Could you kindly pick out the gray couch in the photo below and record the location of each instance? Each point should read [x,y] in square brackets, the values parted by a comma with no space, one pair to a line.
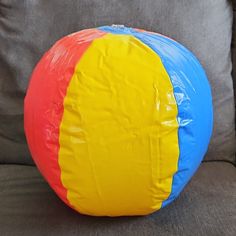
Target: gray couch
[28,206]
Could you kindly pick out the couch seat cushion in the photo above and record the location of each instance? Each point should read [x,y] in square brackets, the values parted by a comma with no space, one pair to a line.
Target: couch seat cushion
[207,206]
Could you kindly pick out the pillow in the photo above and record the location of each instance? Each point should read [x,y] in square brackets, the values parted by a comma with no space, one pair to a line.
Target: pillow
[29,28]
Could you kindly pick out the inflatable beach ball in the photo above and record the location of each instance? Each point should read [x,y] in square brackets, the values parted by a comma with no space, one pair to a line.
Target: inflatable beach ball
[118,120]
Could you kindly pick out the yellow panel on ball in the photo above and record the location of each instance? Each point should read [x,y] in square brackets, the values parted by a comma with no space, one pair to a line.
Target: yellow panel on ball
[119,131]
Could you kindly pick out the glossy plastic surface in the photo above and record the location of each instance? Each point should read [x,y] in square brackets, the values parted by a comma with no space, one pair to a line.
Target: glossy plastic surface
[118,120]
[193,97]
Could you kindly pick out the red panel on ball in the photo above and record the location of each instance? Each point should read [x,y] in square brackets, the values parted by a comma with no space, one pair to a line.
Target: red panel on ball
[44,103]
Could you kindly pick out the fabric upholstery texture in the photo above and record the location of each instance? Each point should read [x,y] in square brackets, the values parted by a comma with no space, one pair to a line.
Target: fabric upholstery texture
[29,28]
[233,47]
[206,207]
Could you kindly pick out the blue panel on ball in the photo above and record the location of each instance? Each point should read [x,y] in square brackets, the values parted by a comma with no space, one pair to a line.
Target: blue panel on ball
[193,97]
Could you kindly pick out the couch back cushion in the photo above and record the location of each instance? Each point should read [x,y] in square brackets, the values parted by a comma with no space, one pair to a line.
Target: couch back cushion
[29,28]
